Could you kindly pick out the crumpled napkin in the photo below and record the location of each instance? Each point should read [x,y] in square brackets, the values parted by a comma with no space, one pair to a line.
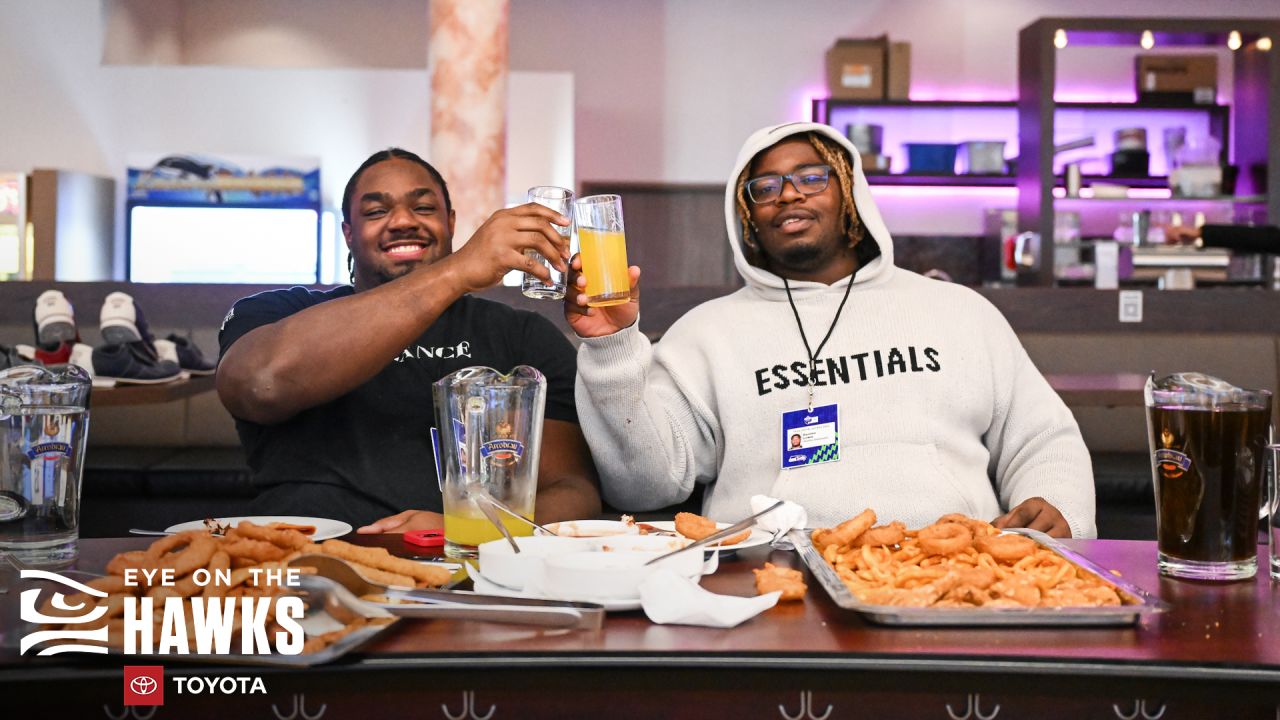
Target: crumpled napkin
[670,599]
[781,521]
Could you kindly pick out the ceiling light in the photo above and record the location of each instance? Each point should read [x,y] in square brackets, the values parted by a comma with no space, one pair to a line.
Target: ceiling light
[1148,40]
[1264,43]
[1059,38]
[1233,40]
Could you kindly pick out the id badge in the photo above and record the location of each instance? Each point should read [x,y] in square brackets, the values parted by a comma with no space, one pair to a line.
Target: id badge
[810,436]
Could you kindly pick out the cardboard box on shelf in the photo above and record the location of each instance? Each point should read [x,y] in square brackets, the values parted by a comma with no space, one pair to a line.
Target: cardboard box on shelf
[856,68]
[1180,76]
[898,86]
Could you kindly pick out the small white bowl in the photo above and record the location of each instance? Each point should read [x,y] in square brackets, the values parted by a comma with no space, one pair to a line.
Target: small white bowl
[501,564]
[592,528]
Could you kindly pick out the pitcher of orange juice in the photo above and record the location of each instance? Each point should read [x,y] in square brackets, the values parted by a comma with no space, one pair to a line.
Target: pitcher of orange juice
[490,427]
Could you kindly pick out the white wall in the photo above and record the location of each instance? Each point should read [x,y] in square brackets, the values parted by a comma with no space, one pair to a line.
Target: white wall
[665,90]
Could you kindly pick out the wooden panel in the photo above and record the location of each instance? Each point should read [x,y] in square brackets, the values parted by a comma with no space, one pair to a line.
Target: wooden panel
[675,233]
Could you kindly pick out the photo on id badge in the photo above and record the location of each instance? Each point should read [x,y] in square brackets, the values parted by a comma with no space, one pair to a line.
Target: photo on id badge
[810,436]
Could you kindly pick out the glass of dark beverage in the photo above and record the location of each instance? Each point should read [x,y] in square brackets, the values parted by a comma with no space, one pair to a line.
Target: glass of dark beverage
[1208,443]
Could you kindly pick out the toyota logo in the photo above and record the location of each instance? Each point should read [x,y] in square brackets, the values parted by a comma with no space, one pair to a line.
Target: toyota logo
[143,685]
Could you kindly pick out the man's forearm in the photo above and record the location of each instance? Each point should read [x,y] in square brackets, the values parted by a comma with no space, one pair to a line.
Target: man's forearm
[316,355]
[567,499]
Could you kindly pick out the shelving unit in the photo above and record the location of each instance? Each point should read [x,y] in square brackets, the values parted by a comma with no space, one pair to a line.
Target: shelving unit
[825,110]
[1249,128]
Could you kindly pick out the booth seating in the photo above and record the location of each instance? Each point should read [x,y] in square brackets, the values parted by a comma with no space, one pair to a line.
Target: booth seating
[154,465]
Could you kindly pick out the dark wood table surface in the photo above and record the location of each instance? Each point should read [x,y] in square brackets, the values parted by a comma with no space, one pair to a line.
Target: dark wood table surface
[1214,653]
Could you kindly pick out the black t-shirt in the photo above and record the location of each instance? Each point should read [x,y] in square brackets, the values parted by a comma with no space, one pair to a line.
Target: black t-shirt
[368,453]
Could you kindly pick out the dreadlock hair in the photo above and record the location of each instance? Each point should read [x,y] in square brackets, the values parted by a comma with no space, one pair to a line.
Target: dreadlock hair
[833,154]
[378,157]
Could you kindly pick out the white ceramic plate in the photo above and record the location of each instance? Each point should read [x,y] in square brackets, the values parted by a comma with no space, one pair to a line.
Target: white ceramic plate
[757,537]
[325,528]
[591,528]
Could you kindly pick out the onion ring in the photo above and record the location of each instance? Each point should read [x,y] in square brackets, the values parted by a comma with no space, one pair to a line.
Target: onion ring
[849,530]
[1007,549]
[885,535]
[945,538]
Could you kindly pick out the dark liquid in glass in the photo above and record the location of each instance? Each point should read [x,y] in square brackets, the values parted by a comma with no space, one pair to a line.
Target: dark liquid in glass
[1208,467]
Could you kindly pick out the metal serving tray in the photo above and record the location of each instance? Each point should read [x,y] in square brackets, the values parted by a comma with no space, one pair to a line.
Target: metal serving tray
[1137,602]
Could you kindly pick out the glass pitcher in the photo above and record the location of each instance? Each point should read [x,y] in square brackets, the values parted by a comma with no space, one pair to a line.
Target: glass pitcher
[1208,443]
[44,416]
[490,427]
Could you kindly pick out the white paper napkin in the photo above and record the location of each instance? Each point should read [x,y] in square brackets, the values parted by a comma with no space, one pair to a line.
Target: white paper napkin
[780,521]
[669,599]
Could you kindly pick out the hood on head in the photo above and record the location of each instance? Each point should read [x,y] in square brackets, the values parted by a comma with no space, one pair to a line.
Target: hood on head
[875,230]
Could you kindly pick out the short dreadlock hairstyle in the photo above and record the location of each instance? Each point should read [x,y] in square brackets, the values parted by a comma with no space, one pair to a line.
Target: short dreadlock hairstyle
[833,154]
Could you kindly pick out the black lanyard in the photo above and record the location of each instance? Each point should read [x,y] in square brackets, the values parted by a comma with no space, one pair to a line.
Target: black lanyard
[813,354]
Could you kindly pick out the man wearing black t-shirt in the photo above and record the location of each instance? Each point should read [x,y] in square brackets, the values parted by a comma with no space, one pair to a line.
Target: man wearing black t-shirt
[331,390]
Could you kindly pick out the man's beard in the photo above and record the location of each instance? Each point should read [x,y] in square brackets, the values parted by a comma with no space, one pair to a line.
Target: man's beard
[385,275]
[807,257]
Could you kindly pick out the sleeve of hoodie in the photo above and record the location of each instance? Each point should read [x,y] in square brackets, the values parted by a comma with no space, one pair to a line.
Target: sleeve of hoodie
[1035,443]
[650,435]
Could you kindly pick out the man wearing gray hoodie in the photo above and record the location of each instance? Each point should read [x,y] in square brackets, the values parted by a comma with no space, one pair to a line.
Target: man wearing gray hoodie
[911,396]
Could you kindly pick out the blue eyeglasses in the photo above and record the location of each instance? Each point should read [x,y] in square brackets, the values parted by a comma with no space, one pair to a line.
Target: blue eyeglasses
[808,180]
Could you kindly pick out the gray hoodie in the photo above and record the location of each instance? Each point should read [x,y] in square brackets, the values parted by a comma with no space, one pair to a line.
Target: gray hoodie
[939,408]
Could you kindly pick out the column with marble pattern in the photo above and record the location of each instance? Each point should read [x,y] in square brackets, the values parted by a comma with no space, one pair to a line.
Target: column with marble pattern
[467,54]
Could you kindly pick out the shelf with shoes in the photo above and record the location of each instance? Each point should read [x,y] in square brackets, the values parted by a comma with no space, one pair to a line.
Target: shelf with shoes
[131,366]
[150,394]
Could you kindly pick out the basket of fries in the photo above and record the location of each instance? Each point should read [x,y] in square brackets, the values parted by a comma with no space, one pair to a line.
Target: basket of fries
[252,606]
[962,571]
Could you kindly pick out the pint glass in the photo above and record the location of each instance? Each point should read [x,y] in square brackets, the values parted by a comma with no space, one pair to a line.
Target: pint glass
[1208,444]
[603,246]
[44,421]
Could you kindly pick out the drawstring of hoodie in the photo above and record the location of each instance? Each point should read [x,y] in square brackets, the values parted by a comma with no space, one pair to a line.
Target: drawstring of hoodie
[813,354]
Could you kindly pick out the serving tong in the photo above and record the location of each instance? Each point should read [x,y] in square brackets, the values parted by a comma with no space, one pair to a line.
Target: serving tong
[456,604]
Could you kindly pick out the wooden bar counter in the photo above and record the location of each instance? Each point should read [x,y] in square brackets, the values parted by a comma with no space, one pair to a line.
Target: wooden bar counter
[1214,653]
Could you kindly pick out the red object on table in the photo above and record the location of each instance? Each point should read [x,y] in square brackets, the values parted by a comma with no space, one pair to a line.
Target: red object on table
[425,538]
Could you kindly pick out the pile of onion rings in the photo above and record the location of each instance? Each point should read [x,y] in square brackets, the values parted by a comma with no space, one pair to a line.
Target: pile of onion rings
[957,562]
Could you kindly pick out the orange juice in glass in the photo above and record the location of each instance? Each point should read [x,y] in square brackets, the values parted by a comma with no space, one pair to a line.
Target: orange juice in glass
[603,246]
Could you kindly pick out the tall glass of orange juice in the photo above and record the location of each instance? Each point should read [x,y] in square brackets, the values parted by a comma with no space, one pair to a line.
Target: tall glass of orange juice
[603,246]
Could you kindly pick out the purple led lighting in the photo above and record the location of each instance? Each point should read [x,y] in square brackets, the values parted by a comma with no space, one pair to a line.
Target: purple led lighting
[904,124]
[807,96]
[963,94]
[967,192]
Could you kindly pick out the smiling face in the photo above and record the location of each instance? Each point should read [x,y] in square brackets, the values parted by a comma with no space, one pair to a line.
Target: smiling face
[399,222]
[801,237]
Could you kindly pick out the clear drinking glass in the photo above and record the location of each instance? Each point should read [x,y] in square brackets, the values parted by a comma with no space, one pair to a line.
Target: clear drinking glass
[602,244]
[44,421]
[560,200]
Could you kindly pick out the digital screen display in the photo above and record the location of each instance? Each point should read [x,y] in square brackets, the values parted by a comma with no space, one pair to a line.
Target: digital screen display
[223,245]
